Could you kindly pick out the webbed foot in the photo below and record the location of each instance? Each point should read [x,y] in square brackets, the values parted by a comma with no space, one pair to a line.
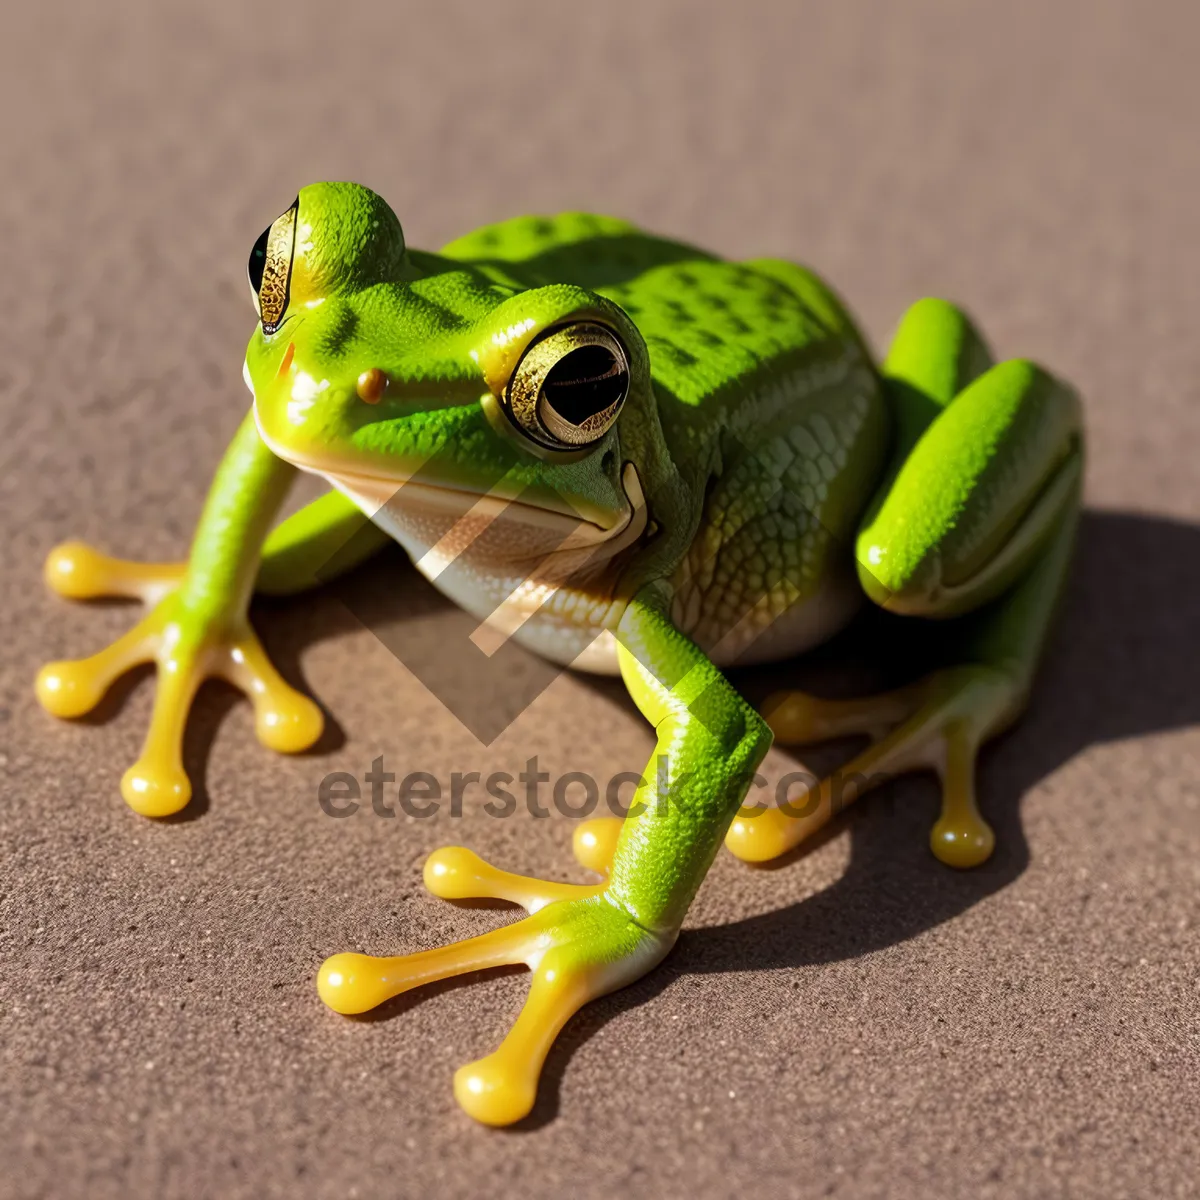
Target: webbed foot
[937,724]
[577,941]
[188,644]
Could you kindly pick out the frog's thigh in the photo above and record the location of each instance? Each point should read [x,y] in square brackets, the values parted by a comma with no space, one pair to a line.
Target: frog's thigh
[323,540]
[935,353]
[983,509]
[977,499]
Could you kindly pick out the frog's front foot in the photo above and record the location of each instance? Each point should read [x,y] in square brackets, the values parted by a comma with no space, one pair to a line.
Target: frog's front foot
[937,724]
[577,941]
[189,641]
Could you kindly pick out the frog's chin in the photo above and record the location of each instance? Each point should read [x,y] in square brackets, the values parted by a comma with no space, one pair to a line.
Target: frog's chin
[449,519]
[436,523]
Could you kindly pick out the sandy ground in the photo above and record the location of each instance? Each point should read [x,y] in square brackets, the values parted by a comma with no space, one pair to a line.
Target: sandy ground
[862,1022]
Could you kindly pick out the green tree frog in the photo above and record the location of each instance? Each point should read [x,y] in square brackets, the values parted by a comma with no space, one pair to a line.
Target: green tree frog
[636,457]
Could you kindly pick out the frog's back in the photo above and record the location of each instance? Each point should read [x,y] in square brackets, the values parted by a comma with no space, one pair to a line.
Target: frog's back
[710,325]
[769,405]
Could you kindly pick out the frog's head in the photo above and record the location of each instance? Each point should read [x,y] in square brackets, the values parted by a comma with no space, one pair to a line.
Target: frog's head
[436,393]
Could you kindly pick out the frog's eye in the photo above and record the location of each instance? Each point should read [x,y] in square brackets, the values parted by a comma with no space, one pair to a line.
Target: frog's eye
[568,388]
[270,268]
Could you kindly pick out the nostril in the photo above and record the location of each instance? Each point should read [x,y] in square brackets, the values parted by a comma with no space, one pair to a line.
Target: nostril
[371,386]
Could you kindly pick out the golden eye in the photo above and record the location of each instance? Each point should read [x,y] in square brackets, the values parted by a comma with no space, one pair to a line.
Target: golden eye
[568,388]
[270,268]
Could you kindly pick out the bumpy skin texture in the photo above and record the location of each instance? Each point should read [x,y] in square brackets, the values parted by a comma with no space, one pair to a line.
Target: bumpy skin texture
[772,415]
[751,479]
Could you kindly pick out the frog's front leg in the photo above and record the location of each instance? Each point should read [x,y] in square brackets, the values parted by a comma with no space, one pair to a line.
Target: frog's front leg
[198,625]
[583,941]
[975,522]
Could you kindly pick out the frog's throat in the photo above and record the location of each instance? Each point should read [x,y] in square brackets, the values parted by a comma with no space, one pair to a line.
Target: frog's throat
[377,496]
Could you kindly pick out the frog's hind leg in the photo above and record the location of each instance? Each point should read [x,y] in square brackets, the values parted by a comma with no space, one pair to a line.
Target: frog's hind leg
[974,521]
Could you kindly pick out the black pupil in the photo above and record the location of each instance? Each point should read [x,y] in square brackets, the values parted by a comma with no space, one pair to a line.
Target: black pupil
[258,260]
[585,382]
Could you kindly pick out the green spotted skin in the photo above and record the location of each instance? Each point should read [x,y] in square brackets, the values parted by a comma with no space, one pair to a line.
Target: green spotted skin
[776,420]
[769,406]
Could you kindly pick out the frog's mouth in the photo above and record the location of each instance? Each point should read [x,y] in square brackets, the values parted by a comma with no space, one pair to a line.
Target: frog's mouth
[439,523]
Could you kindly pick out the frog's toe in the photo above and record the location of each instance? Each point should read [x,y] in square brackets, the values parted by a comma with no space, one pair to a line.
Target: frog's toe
[962,839]
[74,687]
[284,719]
[187,648]
[502,1087]
[70,688]
[595,842]
[496,1090]
[578,944]
[75,570]
[798,718]
[456,873]
[939,724]
[355,983]
[760,836]
[156,788]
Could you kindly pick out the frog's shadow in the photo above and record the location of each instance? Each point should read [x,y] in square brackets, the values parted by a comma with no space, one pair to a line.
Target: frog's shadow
[1123,662]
